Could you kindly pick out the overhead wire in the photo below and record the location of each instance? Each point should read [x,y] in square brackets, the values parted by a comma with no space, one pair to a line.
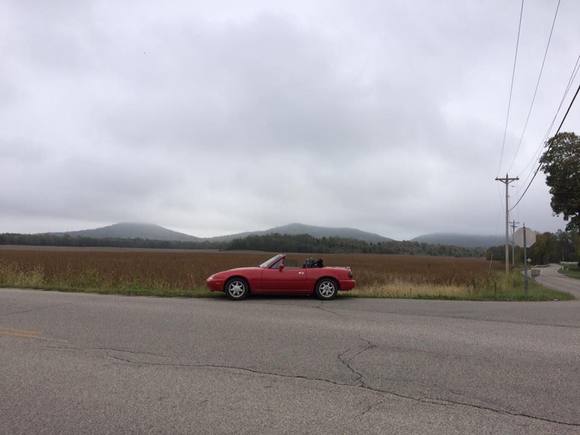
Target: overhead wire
[507,118]
[568,86]
[530,110]
[537,153]
[557,131]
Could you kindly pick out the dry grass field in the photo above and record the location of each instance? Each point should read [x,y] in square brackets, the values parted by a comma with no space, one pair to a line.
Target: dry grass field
[183,273]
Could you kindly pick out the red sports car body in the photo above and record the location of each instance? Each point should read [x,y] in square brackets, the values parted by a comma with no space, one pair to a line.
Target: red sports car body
[274,277]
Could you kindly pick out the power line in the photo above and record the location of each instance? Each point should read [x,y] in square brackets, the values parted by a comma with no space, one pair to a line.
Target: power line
[568,110]
[536,155]
[557,131]
[539,164]
[537,86]
[568,86]
[527,187]
[507,117]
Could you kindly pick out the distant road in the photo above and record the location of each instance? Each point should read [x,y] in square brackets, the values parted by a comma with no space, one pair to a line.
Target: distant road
[550,277]
[81,363]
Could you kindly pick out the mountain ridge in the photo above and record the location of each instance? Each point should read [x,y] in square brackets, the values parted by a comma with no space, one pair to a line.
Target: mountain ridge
[137,230]
[312,230]
[461,240]
[132,230]
[149,231]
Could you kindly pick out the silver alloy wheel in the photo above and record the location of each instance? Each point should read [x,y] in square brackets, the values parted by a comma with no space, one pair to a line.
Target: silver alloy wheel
[327,289]
[236,288]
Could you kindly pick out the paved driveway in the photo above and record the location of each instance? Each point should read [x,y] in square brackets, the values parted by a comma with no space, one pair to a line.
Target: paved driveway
[550,277]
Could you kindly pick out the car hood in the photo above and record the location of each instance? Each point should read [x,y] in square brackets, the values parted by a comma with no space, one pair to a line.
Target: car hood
[239,269]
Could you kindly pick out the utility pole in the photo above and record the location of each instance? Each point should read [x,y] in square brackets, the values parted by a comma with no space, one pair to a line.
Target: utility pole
[525,264]
[507,180]
[514,225]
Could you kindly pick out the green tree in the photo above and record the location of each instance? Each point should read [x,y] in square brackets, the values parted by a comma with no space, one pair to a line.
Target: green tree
[561,164]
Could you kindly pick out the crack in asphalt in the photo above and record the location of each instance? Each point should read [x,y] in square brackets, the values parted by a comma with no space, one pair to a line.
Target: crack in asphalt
[134,352]
[106,349]
[370,407]
[347,362]
[346,358]
[361,385]
[360,382]
[321,307]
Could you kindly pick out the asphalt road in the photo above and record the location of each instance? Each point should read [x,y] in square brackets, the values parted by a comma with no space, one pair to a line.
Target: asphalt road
[79,363]
[550,277]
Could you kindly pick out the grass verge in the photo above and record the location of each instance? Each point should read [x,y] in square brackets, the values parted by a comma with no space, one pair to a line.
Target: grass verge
[514,292]
[497,287]
[90,281]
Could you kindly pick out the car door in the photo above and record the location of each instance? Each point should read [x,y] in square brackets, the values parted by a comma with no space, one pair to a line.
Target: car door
[286,279]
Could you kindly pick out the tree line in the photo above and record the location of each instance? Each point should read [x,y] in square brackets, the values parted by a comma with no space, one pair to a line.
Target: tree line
[80,241]
[307,243]
[549,248]
[269,243]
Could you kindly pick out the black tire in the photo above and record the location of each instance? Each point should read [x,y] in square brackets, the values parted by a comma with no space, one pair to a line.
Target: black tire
[326,289]
[237,289]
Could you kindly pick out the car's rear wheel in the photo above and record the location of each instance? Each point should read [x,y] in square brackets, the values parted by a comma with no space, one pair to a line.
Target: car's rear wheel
[237,289]
[326,289]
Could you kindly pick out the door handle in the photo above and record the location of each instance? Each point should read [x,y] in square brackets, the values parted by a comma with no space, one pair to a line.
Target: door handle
[300,273]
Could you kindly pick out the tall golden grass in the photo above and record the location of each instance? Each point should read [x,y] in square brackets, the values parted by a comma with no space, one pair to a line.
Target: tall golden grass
[183,273]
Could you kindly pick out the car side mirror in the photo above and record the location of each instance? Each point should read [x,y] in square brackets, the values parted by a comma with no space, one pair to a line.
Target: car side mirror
[281,267]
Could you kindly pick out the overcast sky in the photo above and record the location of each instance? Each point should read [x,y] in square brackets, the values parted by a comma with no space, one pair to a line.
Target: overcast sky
[224,116]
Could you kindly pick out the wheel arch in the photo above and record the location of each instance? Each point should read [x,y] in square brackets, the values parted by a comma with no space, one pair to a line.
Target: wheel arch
[246,280]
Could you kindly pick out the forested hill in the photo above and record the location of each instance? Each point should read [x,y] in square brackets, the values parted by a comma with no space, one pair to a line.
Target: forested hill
[132,230]
[269,242]
[464,240]
[307,243]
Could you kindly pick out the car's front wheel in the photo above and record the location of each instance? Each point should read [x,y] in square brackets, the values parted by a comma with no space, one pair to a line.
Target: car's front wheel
[326,289]
[236,289]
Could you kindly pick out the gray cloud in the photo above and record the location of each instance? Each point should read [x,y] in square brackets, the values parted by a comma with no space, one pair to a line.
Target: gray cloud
[215,118]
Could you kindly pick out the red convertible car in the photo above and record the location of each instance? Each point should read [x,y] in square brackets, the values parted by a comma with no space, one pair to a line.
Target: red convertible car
[274,277]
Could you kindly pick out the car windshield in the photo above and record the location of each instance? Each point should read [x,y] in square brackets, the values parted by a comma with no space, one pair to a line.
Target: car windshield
[270,261]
